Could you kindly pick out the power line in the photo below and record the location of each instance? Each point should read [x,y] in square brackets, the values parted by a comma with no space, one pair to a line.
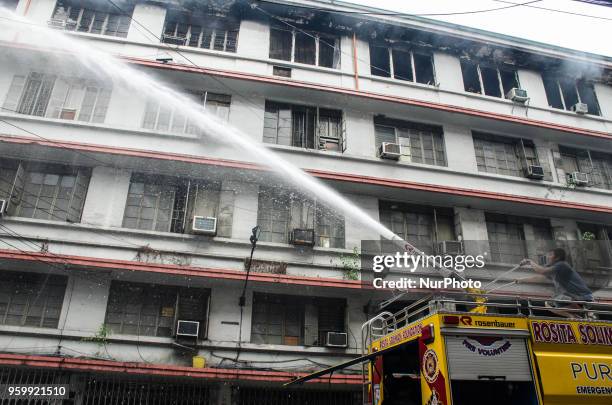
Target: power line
[559,11]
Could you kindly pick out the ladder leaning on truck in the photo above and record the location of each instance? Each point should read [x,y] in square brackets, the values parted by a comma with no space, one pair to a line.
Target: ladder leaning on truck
[444,350]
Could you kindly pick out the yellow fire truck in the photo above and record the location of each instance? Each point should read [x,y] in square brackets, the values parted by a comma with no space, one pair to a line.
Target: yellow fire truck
[471,350]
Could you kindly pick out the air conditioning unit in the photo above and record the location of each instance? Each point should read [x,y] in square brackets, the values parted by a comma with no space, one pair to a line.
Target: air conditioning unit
[450,247]
[580,108]
[518,95]
[579,178]
[204,225]
[535,172]
[187,328]
[390,150]
[303,237]
[3,205]
[336,339]
[174,39]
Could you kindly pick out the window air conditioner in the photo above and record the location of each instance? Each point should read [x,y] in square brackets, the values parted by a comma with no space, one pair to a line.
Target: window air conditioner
[518,95]
[204,225]
[187,328]
[535,172]
[174,39]
[450,247]
[580,108]
[302,237]
[336,339]
[579,178]
[390,150]
[3,204]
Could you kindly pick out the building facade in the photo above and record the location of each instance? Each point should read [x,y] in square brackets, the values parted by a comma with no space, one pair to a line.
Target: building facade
[442,133]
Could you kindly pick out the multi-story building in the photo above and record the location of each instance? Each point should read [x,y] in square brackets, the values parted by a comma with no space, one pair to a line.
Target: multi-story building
[504,145]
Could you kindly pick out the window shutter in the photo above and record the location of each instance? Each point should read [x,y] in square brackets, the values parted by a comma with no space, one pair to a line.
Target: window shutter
[16,192]
[226,213]
[57,99]
[384,134]
[99,113]
[89,101]
[150,115]
[14,94]
[343,137]
[311,324]
[543,161]
[77,199]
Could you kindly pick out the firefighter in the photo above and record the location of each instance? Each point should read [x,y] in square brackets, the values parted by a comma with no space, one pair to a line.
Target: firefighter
[568,284]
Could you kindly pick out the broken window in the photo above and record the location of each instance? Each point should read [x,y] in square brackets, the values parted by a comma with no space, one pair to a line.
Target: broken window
[92,17]
[507,156]
[201,31]
[402,64]
[52,96]
[487,79]
[169,204]
[281,211]
[506,235]
[312,48]
[564,93]
[43,191]
[304,127]
[293,320]
[422,226]
[419,143]
[31,299]
[165,118]
[154,309]
[597,165]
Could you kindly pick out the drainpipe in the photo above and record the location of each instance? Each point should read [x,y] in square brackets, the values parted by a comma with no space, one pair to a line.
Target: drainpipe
[355,69]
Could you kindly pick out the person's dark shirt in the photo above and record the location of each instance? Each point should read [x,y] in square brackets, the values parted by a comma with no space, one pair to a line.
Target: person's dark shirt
[568,282]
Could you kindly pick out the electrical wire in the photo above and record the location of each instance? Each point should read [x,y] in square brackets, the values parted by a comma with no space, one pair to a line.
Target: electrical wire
[560,11]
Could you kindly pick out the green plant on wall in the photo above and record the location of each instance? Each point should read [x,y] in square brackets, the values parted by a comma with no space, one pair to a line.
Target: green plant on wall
[588,236]
[351,264]
[100,338]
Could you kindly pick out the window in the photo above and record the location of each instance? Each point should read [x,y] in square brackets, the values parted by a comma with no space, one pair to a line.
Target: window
[52,96]
[169,119]
[30,299]
[402,64]
[420,143]
[597,165]
[488,80]
[153,310]
[422,226]
[304,127]
[201,31]
[310,48]
[564,93]
[93,18]
[507,237]
[168,204]
[293,320]
[280,211]
[507,156]
[43,191]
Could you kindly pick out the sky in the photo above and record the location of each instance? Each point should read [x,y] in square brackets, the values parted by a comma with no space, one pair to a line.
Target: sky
[569,31]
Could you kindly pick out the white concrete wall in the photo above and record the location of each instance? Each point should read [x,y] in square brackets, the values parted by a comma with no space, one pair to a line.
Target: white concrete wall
[448,72]
[150,23]
[106,197]
[532,82]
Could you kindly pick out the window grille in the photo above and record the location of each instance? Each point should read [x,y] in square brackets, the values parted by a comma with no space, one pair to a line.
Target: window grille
[94,19]
[153,310]
[597,165]
[507,237]
[31,299]
[314,48]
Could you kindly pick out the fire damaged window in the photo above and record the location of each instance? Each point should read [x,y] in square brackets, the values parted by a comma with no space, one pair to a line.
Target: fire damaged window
[166,118]
[402,64]
[54,96]
[508,156]
[201,31]
[508,234]
[293,320]
[153,309]
[170,204]
[312,48]
[596,165]
[281,212]
[43,191]
[564,93]
[487,79]
[419,143]
[424,226]
[31,299]
[304,126]
[92,17]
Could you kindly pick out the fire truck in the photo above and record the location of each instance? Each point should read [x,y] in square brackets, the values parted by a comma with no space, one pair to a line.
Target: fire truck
[471,349]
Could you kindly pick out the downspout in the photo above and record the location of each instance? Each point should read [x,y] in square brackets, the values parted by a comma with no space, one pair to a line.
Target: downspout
[355,68]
